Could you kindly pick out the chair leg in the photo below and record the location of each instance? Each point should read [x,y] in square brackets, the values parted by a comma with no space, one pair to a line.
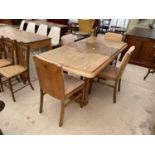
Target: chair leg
[41,101]
[90,86]
[1,85]
[62,113]
[29,81]
[83,97]
[114,95]
[149,71]
[119,85]
[12,93]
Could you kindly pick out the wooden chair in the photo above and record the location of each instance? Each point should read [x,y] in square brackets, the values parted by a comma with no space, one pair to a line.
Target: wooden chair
[114,73]
[115,37]
[55,83]
[67,39]
[55,35]
[7,47]
[31,27]
[21,68]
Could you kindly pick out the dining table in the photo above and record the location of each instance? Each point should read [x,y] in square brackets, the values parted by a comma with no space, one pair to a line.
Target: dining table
[86,58]
[33,40]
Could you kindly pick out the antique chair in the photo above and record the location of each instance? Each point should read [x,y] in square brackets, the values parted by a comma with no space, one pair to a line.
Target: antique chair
[42,30]
[55,35]
[7,47]
[86,26]
[115,73]
[67,39]
[21,68]
[115,37]
[31,27]
[53,82]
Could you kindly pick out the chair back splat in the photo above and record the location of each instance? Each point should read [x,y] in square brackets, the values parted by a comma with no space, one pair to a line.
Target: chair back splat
[50,77]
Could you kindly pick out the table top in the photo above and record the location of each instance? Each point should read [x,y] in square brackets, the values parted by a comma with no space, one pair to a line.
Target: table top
[86,57]
[50,24]
[19,35]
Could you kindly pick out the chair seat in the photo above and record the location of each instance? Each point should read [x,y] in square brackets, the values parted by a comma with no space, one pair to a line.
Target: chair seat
[110,72]
[71,84]
[4,62]
[12,71]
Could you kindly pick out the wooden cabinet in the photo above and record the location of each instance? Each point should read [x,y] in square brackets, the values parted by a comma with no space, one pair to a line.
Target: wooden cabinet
[144,41]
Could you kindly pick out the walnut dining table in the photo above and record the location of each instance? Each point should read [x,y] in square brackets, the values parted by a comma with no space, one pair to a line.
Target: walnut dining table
[33,40]
[86,57]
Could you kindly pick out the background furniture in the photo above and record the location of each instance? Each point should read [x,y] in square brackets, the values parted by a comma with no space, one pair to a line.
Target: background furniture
[31,27]
[31,39]
[67,39]
[21,68]
[53,82]
[104,25]
[42,30]
[144,42]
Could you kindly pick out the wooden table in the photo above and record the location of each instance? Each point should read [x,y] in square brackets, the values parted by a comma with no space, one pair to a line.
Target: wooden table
[86,58]
[32,39]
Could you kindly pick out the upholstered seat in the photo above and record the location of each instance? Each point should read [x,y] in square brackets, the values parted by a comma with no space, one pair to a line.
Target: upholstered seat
[5,62]
[109,72]
[53,82]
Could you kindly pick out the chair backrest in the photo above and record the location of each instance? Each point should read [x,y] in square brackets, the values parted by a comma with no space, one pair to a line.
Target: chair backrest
[9,48]
[86,25]
[125,61]
[67,39]
[50,75]
[22,25]
[22,54]
[42,30]
[55,35]
[31,27]
[113,37]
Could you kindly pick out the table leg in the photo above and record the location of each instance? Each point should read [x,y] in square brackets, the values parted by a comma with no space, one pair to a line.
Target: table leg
[87,85]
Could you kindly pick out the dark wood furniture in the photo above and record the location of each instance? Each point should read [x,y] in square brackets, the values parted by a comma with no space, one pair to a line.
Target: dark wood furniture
[2,105]
[144,42]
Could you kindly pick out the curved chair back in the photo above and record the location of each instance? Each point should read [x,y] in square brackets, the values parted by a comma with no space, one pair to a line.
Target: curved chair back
[113,37]
[67,39]
[31,27]
[22,25]
[125,61]
[42,30]
[55,35]
[50,75]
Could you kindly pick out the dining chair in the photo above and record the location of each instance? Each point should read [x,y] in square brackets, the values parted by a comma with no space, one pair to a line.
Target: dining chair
[22,25]
[67,39]
[42,30]
[55,35]
[31,27]
[115,73]
[115,37]
[86,26]
[20,69]
[7,47]
[54,83]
